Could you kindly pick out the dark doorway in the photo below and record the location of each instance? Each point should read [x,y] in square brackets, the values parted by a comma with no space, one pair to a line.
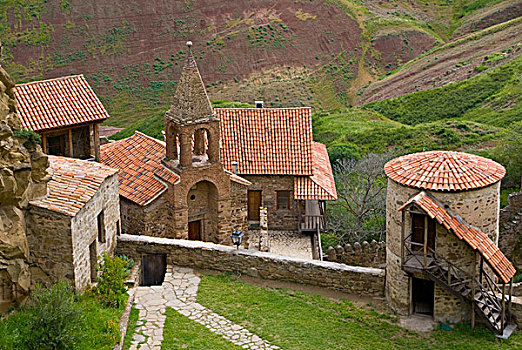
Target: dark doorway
[254,203]
[418,223]
[56,145]
[194,230]
[93,258]
[422,296]
[154,267]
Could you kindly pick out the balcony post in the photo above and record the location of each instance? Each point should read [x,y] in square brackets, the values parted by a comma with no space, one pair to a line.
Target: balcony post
[503,307]
[426,241]
[473,287]
[403,224]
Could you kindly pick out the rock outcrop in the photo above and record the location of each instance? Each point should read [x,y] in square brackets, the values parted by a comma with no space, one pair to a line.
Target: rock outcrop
[23,177]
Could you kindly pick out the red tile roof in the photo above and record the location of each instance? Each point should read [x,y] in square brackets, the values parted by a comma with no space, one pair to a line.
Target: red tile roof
[267,141]
[475,238]
[142,177]
[58,103]
[321,185]
[444,171]
[73,183]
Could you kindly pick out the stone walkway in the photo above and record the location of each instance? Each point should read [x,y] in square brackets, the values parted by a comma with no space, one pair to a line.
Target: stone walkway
[178,291]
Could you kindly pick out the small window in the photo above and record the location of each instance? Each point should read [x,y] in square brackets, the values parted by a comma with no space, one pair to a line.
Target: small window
[283,200]
[101,228]
[118,232]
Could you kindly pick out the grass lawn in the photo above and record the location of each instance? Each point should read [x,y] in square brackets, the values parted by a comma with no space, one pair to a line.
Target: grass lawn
[298,320]
[180,332]
[131,328]
[100,327]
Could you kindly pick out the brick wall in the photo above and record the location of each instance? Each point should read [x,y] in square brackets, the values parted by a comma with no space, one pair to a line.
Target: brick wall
[340,277]
[278,220]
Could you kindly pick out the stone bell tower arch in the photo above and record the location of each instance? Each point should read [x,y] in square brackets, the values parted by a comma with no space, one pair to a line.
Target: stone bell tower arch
[192,151]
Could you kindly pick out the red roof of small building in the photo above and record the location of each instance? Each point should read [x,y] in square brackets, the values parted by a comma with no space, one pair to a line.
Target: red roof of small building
[58,103]
[321,185]
[142,177]
[73,183]
[266,141]
[475,238]
[444,171]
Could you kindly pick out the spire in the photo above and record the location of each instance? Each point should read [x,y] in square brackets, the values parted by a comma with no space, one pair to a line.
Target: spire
[191,103]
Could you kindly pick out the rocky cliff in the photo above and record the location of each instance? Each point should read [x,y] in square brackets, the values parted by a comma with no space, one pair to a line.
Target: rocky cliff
[23,177]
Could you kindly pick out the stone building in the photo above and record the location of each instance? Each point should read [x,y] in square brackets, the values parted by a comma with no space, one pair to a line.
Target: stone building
[218,167]
[78,220]
[442,212]
[65,112]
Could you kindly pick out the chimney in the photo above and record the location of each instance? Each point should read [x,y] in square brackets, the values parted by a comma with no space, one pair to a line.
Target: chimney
[234,167]
[259,104]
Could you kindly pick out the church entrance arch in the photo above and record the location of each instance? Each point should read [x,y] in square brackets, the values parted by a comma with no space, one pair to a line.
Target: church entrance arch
[202,202]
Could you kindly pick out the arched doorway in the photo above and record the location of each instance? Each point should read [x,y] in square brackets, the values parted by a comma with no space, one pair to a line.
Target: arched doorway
[202,200]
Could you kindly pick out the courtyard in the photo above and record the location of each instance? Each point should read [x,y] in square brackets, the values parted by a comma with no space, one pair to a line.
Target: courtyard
[202,310]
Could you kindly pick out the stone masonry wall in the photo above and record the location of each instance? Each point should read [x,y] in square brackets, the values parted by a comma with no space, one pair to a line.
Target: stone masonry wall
[238,211]
[344,278]
[85,229]
[23,177]
[510,241]
[49,237]
[366,254]
[278,220]
[151,219]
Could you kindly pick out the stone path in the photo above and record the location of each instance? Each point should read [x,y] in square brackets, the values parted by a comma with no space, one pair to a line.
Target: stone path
[178,291]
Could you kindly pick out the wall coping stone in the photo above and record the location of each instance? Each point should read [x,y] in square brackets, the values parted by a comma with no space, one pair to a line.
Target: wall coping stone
[252,253]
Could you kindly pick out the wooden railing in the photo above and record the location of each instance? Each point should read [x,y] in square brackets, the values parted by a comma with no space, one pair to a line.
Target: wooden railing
[312,223]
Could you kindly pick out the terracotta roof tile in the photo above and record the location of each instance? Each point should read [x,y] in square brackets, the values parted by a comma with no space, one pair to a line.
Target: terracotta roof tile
[57,103]
[475,238]
[73,183]
[142,177]
[267,141]
[321,185]
[444,171]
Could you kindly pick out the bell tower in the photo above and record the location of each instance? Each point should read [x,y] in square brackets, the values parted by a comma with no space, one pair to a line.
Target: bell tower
[191,126]
[199,203]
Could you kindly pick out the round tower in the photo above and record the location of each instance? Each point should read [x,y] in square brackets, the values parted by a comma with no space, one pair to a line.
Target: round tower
[463,187]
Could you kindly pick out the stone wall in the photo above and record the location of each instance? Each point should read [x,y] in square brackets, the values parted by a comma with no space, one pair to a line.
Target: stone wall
[366,254]
[150,219]
[23,177]
[344,278]
[49,235]
[478,207]
[510,241]
[85,229]
[238,219]
[294,244]
[278,219]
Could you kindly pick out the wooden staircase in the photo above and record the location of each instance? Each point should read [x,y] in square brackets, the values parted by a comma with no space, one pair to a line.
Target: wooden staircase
[484,295]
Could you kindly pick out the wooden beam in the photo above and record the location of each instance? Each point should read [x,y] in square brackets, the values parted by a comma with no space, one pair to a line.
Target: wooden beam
[473,288]
[96,143]
[71,151]
[91,139]
[426,241]
[44,143]
[510,297]
[403,228]
[503,314]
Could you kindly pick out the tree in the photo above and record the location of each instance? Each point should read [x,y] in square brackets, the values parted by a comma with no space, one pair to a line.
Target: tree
[359,213]
[508,153]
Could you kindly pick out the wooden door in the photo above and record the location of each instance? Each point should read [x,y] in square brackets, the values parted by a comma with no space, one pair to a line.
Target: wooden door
[194,230]
[153,267]
[254,202]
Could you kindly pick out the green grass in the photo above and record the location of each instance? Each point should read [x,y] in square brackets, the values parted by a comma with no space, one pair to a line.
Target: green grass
[298,320]
[97,327]
[180,332]
[457,100]
[131,328]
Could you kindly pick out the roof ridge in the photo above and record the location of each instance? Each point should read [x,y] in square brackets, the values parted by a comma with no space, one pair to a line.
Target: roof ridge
[51,79]
[150,137]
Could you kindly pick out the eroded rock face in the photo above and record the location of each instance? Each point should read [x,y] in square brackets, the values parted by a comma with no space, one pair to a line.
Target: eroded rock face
[23,177]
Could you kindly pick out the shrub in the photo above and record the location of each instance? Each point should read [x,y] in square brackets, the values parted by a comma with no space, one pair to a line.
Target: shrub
[343,151]
[54,319]
[31,138]
[111,288]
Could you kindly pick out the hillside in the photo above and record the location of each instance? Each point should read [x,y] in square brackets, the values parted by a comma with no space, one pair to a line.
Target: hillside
[317,52]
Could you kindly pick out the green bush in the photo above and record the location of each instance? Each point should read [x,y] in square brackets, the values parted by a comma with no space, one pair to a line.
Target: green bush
[343,151]
[111,288]
[53,319]
[31,138]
